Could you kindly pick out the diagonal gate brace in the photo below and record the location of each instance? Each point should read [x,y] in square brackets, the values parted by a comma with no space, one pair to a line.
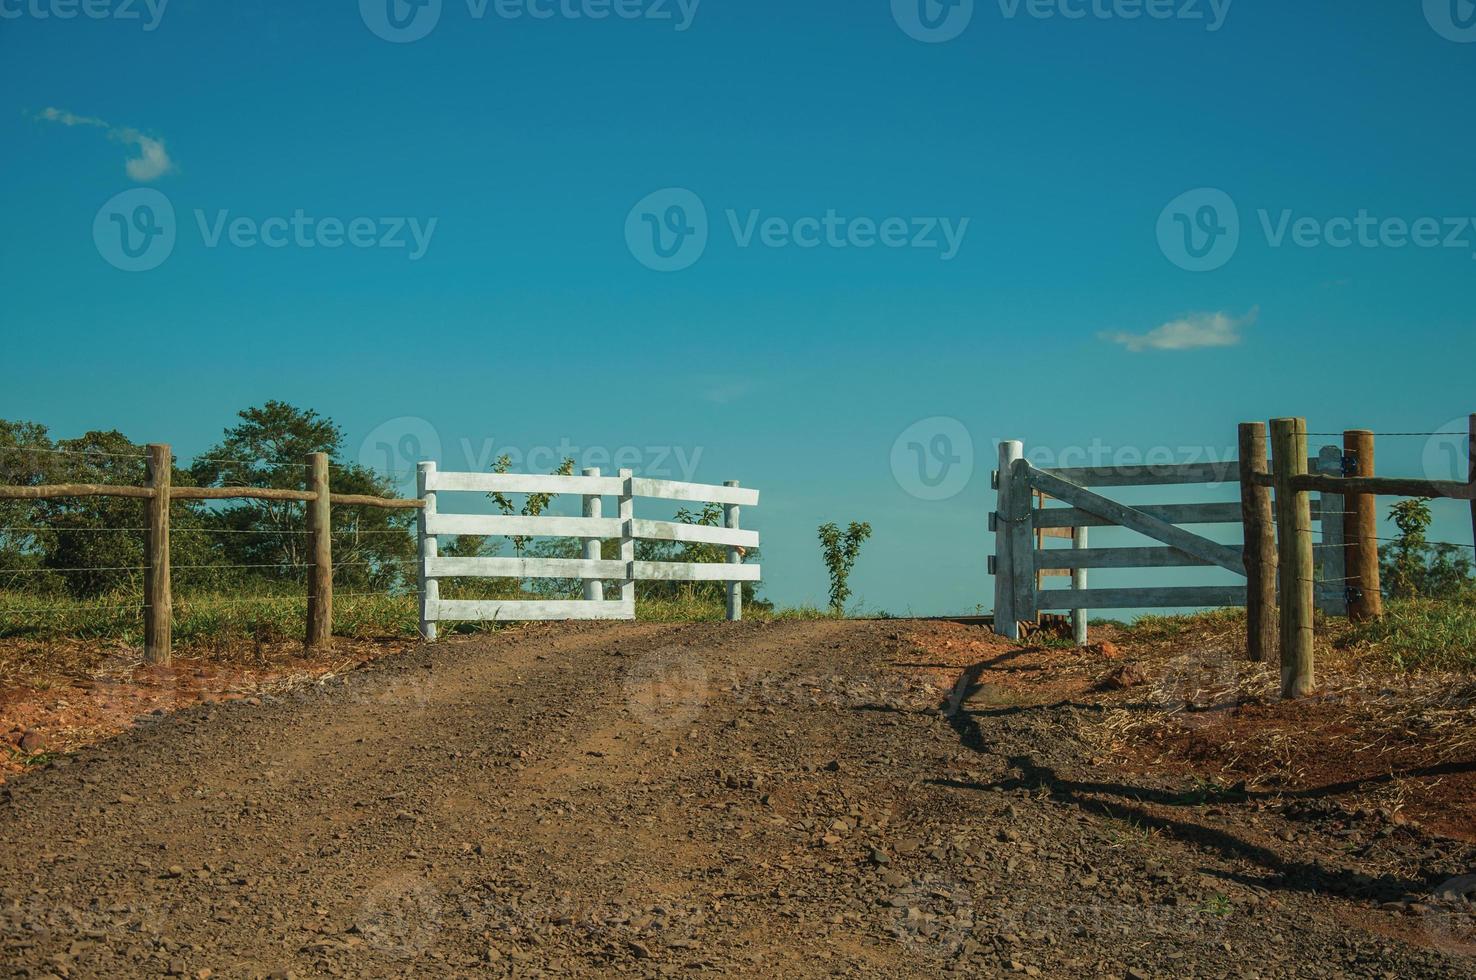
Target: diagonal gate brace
[1135,520]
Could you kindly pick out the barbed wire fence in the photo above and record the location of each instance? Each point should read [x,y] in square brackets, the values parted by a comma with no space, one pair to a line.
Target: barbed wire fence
[49,520]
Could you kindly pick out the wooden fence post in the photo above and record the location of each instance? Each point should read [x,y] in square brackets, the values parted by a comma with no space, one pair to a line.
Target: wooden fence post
[430,588]
[1022,540]
[1361,528]
[1333,590]
[320,570]
[1294,546]
[1260,545]
[1006,623]
[735,589]
[594,589]
[1079,581]
[158,600]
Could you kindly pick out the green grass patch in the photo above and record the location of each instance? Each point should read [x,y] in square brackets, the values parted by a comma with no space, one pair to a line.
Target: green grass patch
[1421,634]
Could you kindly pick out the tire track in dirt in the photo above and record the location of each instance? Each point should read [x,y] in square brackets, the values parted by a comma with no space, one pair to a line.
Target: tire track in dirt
[792,798]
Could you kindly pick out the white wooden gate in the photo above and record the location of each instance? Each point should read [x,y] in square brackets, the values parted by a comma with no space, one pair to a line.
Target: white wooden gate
[592,528]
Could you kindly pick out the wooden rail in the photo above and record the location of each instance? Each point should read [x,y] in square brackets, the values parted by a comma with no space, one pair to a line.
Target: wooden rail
[592,528]
[160,492]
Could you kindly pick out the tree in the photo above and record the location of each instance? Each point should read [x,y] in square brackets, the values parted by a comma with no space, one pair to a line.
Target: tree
[534,504]
[83,546]
[1412,567]
[269,448]
[840,552]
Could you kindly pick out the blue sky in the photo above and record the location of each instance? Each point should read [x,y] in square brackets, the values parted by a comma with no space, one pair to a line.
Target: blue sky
[1063,319]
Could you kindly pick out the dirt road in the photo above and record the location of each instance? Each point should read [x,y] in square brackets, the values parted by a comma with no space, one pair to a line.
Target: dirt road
[786,799]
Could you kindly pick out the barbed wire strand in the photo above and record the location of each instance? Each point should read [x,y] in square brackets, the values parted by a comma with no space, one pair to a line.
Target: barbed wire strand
[72,452]
[1446,432]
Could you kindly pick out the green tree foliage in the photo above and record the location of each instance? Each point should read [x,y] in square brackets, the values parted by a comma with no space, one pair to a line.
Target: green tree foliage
[82,546]
[1412,567]
[840,552]
[268,448]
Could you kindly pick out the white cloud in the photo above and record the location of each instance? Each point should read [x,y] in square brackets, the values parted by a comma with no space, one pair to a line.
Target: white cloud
[1188,333]
[152,161]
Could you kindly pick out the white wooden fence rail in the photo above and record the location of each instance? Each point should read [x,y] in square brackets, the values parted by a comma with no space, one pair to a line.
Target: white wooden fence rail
[592,528]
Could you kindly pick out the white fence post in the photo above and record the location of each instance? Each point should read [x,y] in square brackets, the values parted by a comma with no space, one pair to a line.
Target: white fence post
[627,538]
[1005,621]
[594,589]
[735,589]
[430,588]
[1079,581]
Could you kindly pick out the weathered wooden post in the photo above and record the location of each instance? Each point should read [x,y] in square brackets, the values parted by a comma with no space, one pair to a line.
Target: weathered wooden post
[1361,528]
[1078,582]
[158,599]
[1021,527]
[1260,544]
[320,571]
[594,589]
[430,588]
[735,557]
[1294,547]
[627,538]
[1333,593]
[1006,622]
